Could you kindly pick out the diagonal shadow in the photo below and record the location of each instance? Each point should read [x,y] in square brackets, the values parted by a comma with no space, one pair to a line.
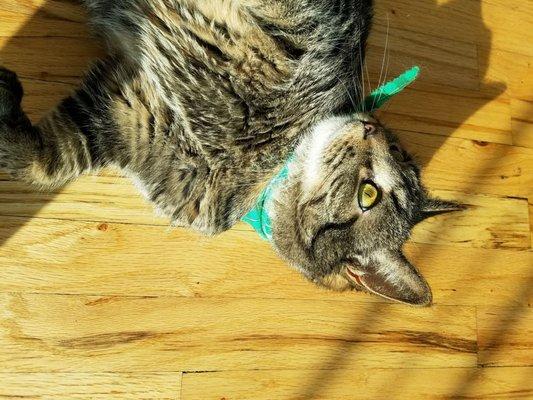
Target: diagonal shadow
[49,51]
[511,315]
[502,327]
[53,48]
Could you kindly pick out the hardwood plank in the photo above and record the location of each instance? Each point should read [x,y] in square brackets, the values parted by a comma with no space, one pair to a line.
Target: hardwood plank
[511,29]
[505,335]
[63,9]
[450,98]
[472,166]
[490,222]
[54,256]
[516,71]
[66,59]
[41,96]
[52,19]
[458,20]
[476,89]
[512,69]
[107,197]
[522,122]
[97,386]
[361,383]
[443,61]
[530,202]
[493,222]
[451,113]
[58,333]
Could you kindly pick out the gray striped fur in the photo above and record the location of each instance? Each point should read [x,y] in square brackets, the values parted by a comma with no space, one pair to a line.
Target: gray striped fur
[201,102]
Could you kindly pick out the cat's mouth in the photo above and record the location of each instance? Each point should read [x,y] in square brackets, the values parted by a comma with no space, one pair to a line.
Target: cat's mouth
[361,280]
[354,276]
[378,284]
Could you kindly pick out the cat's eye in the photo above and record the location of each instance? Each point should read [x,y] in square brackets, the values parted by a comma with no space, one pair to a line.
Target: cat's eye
[368,195]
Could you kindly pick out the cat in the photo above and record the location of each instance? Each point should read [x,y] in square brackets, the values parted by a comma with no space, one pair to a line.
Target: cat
[201,103]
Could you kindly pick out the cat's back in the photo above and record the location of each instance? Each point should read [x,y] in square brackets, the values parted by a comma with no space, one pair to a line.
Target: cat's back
[196,30]
[209,61]
[262,52]
[211,96]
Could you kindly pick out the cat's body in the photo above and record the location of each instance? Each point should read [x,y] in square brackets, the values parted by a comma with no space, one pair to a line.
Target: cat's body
[201,103]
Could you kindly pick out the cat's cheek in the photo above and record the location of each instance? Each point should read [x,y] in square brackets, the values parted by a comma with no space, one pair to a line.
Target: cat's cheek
[336,282]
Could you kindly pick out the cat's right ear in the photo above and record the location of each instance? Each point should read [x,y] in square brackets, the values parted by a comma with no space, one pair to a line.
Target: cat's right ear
[389,275]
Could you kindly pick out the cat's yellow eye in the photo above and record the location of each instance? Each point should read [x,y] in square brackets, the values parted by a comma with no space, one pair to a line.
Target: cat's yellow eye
[368,195]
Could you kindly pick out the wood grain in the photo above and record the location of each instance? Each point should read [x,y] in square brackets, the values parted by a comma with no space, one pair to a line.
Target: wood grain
[530,202]
[522,121]
[504,223]
[63,20]
[512,30]
[505,335]
[20,53]
[490,221]
[505,171]
[512,69]
[100,299]
[361,383]
[463,20]
[95,386]
[41,96]
[451,113]
[62,333]
[118,259]
[443,61]
[473,166]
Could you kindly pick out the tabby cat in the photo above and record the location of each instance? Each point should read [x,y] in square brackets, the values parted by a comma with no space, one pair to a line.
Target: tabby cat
[201,102]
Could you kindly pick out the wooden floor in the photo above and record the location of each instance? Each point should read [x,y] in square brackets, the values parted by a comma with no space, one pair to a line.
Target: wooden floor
[99,299]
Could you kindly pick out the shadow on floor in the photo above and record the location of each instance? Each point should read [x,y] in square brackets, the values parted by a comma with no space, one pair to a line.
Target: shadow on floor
[50,53]
[53,48]
[508,317]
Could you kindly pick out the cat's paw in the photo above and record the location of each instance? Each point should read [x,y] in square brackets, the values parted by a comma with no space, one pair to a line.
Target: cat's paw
[10,92]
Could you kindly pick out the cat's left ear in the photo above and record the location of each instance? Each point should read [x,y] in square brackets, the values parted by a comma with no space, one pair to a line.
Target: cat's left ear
[433,207]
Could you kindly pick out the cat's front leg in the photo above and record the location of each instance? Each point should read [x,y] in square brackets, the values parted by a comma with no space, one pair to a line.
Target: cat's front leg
[61,146]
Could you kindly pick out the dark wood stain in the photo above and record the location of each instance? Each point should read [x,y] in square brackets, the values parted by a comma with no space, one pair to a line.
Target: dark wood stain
[508,394]
[433,339]
[101,300]
[106,340]
[425,339]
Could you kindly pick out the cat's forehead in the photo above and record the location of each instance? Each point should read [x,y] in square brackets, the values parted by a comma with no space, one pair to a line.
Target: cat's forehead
[337,148]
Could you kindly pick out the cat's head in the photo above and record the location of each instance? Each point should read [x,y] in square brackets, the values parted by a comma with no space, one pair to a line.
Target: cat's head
[351,199]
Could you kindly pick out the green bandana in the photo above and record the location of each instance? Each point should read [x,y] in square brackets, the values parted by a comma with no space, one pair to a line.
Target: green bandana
[259,216]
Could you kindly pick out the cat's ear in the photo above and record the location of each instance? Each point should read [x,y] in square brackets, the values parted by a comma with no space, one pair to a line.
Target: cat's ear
[389,274]
[433,207]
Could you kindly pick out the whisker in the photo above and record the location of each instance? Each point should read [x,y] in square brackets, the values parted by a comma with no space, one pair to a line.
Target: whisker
[347,92]
[383,62]
[362,80]
[368,80]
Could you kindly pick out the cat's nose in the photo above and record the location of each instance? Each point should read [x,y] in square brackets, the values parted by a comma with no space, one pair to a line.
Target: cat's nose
[369,129]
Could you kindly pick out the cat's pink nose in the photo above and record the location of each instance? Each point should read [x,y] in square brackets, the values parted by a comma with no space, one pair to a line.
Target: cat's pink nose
[369,129]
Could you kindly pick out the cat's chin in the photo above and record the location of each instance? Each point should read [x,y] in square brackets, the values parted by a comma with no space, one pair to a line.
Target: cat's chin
[354,276]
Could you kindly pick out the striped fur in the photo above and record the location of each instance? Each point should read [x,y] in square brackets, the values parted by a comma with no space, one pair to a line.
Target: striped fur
[200,102]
